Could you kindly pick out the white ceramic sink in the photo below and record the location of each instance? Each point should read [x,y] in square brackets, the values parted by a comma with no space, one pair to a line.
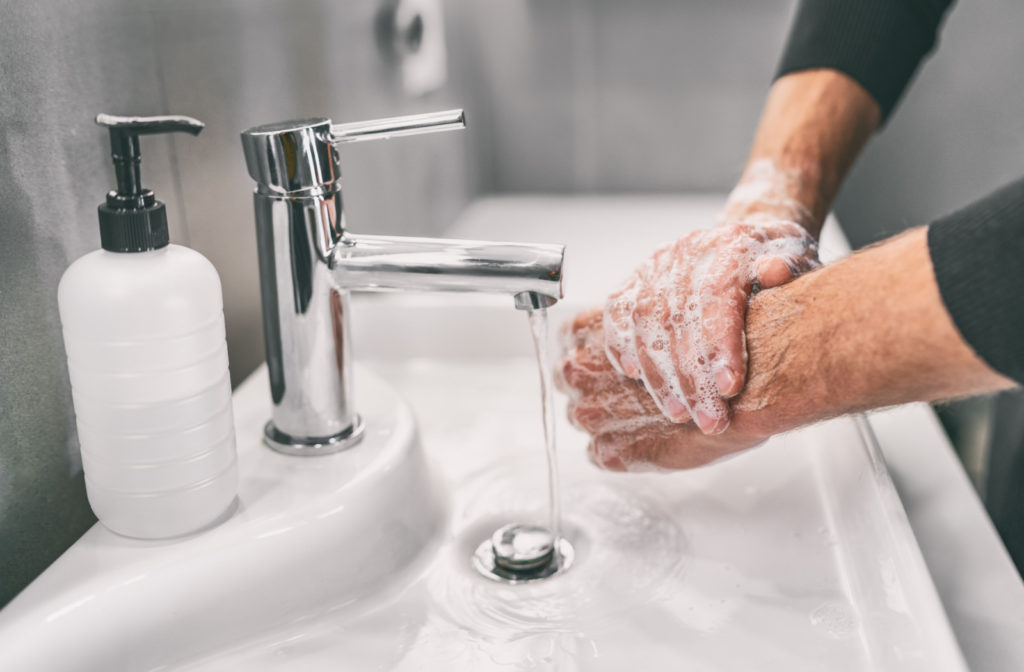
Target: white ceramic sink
[308,536]
[795,556]
[792,557]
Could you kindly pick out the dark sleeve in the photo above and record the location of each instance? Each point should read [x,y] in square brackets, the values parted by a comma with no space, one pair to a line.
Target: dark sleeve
[978,255]
[879,43]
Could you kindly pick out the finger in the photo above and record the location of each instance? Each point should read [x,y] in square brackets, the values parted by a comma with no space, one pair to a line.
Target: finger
[695,375]
[616,408]
[619,315]
[574,376]
[606,453]
[653,347]
[574,332]
[670,447]
[608,462]
[620,339]
[701,398]
[570,413]
[791,245]
[804,263]
[628,451]
[721,352]
[558,376]
[773,271]
[710,411]
[593,419]
[586,321]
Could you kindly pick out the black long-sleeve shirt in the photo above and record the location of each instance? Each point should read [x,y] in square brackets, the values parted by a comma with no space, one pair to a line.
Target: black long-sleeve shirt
[978,251]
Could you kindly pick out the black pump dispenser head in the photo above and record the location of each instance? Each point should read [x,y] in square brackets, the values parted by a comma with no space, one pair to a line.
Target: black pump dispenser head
[132,220]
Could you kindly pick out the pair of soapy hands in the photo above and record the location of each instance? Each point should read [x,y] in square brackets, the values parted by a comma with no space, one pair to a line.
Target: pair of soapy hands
[650,376]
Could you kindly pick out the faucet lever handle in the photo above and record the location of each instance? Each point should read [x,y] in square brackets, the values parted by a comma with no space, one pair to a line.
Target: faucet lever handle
[394,127]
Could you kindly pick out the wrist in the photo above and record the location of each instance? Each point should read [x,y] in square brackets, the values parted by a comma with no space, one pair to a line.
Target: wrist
[768,191]
[788,383]
[813,126]
[867,332]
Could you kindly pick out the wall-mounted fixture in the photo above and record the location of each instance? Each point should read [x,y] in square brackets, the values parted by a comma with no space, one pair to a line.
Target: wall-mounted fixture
[410,33]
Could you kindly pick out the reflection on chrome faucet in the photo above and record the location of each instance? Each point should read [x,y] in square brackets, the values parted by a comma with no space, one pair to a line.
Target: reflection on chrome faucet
[308,262]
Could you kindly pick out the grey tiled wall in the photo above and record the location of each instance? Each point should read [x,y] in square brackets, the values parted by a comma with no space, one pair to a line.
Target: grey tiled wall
[611,96]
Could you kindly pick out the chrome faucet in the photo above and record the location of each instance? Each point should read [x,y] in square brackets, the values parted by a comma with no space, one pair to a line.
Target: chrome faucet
[309,262]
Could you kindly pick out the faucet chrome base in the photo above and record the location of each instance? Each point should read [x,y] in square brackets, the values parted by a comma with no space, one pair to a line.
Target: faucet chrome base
[309,263]
[307,446]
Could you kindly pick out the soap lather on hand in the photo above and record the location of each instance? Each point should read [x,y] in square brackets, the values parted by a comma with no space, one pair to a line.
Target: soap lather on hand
[628,430]
[677,323]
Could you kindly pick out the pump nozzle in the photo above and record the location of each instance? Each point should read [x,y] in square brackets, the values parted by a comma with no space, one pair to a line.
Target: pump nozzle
[132,220]
[124,144]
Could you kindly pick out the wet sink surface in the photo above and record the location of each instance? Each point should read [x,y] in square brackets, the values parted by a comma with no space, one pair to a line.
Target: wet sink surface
[792,557]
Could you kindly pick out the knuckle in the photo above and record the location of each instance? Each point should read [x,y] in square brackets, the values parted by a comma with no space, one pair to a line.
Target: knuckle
[591,418]
[571,415]
[575,376]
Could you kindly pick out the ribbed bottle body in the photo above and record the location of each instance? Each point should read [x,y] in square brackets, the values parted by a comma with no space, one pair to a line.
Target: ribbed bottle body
[147,358]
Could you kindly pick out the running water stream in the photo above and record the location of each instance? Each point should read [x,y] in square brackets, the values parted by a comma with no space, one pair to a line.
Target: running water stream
[539,329]
[520,552]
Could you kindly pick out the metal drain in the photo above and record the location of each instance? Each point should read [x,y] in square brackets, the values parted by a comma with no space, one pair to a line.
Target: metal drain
[520,552]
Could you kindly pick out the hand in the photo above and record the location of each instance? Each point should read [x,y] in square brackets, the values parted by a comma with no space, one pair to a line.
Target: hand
[677,324]
[814,124]
[817,350]
[629,433]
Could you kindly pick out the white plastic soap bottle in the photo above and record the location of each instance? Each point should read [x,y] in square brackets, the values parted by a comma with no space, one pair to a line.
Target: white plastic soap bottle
[143,329]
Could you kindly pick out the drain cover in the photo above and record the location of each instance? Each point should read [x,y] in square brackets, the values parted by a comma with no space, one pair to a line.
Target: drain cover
[522,552]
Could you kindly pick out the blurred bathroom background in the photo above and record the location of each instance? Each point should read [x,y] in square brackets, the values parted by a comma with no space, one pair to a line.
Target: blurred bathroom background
[562,97]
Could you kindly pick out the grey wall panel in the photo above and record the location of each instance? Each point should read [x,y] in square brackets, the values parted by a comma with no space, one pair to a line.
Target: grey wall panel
[232,64]
[606,96]
[957,135]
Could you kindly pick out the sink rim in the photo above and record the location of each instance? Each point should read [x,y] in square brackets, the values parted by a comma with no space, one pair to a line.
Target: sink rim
[317,551]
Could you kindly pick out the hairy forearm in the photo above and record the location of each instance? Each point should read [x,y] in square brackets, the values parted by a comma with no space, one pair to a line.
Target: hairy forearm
[866,332]
[813,127]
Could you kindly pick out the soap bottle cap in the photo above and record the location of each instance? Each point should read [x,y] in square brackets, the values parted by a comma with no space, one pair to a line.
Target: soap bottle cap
[132,220]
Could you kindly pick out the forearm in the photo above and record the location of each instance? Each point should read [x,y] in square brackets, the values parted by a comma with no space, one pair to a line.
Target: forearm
[814,124]
[845,65]
[866,332]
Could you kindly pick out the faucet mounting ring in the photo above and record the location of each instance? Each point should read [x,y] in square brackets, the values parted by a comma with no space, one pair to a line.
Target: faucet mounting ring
[304,446]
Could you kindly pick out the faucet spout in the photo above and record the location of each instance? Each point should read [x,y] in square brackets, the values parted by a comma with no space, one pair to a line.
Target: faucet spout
[438,264]
[309,262]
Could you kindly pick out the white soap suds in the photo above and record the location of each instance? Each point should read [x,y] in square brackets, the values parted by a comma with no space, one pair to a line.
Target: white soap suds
[677,323]
[770,190]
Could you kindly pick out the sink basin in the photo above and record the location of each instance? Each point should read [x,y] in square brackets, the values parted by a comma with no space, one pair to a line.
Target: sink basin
[794,556]
[307,536]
